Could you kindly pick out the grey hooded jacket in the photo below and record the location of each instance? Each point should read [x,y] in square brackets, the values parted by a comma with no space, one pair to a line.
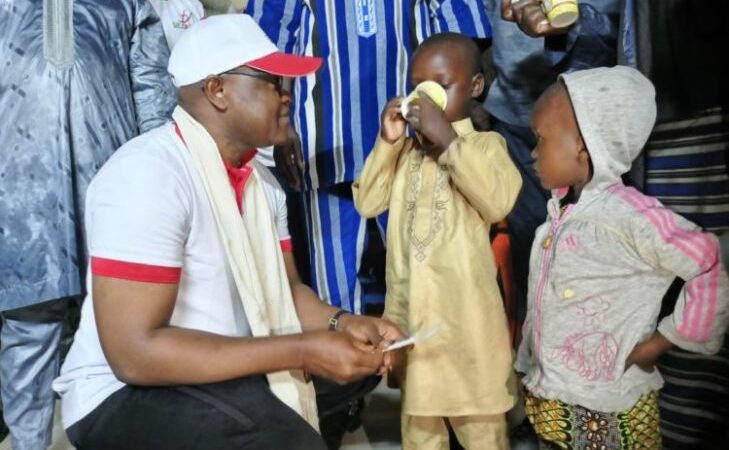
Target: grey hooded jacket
[599,271]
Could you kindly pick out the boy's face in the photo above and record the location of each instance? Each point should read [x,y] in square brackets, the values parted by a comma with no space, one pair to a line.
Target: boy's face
[453,73]
[561,159]
[260,106]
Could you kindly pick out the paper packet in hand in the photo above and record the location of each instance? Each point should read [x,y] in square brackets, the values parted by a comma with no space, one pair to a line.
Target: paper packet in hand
[420,336]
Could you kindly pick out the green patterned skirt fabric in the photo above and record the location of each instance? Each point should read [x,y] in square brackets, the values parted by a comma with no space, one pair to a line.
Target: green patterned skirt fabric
[571,427]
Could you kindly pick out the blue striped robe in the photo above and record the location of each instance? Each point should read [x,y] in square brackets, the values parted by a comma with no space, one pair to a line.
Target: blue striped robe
[366,46]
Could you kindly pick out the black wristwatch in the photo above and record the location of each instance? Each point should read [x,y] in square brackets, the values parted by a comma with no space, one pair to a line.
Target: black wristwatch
[334,320]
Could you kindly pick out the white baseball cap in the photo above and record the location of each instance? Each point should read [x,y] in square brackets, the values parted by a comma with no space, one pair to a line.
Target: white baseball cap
[223,42]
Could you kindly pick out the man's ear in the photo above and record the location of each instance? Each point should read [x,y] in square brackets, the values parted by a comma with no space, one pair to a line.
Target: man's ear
[214,91]
[477,85]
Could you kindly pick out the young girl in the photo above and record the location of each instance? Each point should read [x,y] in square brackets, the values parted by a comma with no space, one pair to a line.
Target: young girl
[600,266]
[443,190]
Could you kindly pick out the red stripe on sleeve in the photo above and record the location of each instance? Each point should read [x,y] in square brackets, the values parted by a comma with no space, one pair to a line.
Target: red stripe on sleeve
[286,245]
[133,271]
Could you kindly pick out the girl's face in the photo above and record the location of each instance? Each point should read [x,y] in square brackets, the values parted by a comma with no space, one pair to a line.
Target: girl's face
[560,156]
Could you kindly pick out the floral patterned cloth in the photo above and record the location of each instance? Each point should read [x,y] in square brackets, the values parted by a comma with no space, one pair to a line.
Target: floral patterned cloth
[571,427]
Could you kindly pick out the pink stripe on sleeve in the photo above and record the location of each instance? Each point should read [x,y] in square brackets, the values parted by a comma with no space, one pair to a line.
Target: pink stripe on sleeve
[698,308]
[701,292]
[694,244]
[676,236]
[690,304]
[711,312]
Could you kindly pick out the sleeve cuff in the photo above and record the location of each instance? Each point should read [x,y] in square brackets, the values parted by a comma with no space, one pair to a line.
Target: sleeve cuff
[668,329]
[387,147]
[286,245]
[125,270]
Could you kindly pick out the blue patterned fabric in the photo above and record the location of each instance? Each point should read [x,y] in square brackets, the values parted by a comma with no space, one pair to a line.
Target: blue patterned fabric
[687,168]
[366,46]
[60,125]
[525,66]
[694,401]
[29,361]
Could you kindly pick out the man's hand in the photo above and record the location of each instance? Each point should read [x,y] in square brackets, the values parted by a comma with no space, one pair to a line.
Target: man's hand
[646,353]
[339,356]
[372,331]
[530,17]
[290,160]
[392,124]
[428,120]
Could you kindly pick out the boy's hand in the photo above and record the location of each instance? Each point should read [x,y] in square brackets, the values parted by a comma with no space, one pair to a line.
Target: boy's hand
[428,120]
[392,123]
[646,353]
[374,332]
[370,330]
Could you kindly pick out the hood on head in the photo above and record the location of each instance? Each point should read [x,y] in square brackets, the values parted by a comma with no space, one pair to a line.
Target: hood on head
[616,110]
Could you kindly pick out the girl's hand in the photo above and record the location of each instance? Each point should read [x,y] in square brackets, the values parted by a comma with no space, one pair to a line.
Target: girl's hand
[646,353]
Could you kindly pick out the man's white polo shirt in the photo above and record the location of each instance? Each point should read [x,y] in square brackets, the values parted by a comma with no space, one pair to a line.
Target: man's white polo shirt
[148,219]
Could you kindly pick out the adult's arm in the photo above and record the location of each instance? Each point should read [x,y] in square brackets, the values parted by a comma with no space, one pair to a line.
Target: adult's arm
[314,314]
[670,243]
[139,211]
[143,349]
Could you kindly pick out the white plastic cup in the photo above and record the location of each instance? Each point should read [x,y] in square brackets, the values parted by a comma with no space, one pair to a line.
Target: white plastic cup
[561,13]
[432,89]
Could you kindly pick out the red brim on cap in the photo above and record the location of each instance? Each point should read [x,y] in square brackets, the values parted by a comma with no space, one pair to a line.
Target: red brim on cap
[286,65]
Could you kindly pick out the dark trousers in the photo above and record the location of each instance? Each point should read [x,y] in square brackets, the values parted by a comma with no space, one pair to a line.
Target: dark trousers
[530,209]
[340,407]
[236,414]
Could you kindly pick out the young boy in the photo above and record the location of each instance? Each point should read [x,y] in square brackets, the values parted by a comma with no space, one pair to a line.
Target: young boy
[600,266]
[443,190]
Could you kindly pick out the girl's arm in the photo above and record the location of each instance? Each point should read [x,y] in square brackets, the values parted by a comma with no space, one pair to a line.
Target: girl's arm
[671,243]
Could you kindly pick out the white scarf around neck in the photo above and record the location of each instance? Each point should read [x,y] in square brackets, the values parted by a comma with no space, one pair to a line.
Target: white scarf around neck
[254,254]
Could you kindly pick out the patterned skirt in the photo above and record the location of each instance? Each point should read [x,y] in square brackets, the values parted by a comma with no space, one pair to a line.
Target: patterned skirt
[570,427]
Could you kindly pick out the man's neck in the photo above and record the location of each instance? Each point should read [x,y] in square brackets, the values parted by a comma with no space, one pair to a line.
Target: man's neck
[232,151]
[232,155]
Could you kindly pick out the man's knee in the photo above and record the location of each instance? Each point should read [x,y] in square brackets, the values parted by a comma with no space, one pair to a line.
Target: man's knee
[290,432]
